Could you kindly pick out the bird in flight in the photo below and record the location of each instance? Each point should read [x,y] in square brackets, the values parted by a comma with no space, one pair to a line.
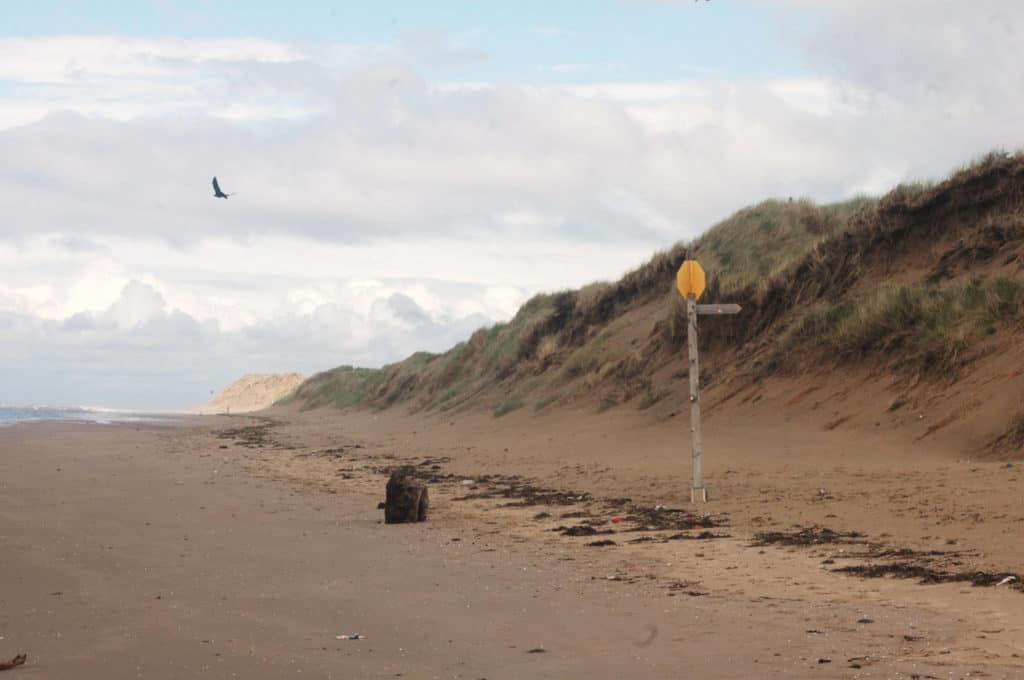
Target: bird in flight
[217,193]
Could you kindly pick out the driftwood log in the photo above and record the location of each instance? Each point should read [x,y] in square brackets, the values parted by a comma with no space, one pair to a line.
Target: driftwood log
[406,499]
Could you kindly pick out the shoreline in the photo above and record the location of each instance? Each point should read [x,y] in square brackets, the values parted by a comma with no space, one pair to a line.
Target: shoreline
[88,416]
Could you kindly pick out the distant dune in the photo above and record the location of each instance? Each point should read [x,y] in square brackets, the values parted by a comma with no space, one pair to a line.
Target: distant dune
[254,392]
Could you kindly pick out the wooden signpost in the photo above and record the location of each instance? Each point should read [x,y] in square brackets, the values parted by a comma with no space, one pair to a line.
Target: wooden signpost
[690,280]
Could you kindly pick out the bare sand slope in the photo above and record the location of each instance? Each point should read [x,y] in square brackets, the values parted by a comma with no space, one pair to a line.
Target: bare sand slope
[157,553]
[253,392]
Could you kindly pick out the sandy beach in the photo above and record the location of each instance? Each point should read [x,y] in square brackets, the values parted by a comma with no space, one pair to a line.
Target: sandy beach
[700,324]
[243,546]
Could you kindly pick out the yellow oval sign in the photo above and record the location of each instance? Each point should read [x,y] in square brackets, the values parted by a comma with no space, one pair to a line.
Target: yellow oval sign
[690,279]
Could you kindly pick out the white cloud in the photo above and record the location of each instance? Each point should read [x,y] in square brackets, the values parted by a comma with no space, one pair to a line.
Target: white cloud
[186,321]
[77,59]
[941,49]
[138,305]
[124,78]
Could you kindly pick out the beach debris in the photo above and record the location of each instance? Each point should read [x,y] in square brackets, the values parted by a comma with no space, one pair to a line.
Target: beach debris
[536,650]
[926,573]
[643,539]
[813,535]
[865,620]
[520,492]
[687,588]
[406,497]
[662,518]
[704,535]
[616,520]
[1008,579]
[19,660]
[581,530]
[601,544]
[652,634]
[468,482]
[350,636]
[824,660]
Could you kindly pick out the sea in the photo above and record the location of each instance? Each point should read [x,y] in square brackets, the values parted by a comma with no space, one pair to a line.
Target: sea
[22,414]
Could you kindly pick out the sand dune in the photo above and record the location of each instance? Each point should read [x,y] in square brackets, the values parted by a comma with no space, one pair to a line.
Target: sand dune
[253,392]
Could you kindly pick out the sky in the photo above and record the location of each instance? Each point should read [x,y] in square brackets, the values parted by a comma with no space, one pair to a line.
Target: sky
[407,171]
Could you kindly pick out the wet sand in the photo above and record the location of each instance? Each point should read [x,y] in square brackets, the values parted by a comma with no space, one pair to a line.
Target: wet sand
[241,547]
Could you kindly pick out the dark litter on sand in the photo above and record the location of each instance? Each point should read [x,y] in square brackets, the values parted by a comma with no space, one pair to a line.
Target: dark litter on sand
[13,663]
[253,436]
[927,567]
[521,493]
[581,530]
[601,544]
[686,588]
[927,575]
[335,452]
[808,536]
[702,536]
[660,518]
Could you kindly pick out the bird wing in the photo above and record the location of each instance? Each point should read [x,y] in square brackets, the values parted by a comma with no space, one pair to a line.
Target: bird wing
[216,187]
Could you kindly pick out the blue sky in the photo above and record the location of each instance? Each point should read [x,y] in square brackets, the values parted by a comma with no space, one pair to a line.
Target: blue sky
[521,41]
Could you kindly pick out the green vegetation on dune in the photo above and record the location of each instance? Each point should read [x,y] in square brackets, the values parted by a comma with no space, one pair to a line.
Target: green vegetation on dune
[339,387]
[928,316]
[756,243]
[546,401]
[347,386]
[929,327]
[441,381]
[507,407]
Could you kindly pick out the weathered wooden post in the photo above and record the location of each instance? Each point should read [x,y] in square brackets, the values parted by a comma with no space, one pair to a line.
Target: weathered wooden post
[690,281]
[697,488]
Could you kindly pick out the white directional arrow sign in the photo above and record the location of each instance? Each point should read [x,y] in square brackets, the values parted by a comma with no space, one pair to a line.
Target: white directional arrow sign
[718,309]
